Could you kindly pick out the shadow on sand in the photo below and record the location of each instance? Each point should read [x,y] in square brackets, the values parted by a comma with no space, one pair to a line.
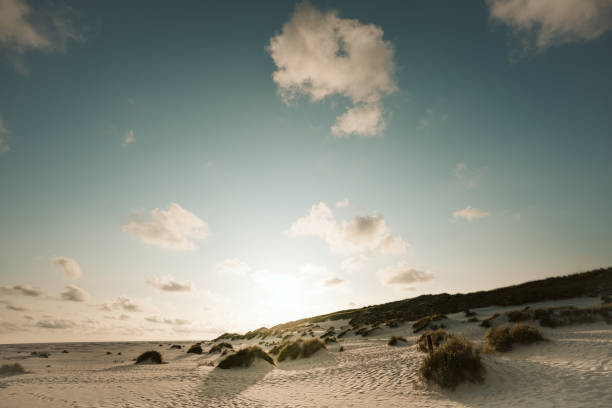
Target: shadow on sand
[224,385]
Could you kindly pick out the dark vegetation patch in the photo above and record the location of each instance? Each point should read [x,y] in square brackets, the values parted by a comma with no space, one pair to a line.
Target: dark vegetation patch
[300,349]
[396,341]
[329,340]
[469,313]
[245,357]
[438,337]
[502,338]
[425,322]
[196,349]
[176,346]
[487,322]
[41,354]
[152,357]
[220,348]
[65,351]
[330,332]
[473,320]
[454,362]
[341,348]
[12,369]
[343,333]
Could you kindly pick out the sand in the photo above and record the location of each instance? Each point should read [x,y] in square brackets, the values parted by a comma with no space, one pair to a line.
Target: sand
[573,369]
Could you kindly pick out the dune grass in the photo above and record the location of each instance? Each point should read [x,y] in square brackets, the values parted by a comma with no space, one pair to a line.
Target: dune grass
[12,369]
[502,338]
[487,322]
[438,337]
[454,362]
[195,349]
[425,321]
[219,348]
[153,357]
[245,358]
[396,341]
[300,349]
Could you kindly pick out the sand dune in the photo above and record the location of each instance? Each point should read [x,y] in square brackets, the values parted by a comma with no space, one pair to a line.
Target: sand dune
[573,369]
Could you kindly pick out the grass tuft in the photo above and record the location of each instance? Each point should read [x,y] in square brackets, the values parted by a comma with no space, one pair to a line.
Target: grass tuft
[195,349]
[12,369]
[503,337]
[220,348]
[438,337]
[152,356]
[396,341]
[300,349]
[245,357]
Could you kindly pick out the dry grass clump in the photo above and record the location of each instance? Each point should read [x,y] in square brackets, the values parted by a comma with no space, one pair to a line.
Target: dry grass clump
[396,341]
[219,348]
[454,362]
[424,322]
[300,349]
[332,339]
[176,346]
[245,357]
[469,313]
[12,369]
[502,338]
[438,337]
[343,333]
[152,357]
[195,349]
[516,316]
[487,322]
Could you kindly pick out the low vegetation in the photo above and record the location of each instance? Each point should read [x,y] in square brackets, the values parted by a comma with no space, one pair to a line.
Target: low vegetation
[149,357]
[396,341]
[12,369]
[245,358]
[425,322]
[195,349]
[438,337]
[502,338]
[454,362]
[487,322]
[176,346]
[300,349]
[219,348]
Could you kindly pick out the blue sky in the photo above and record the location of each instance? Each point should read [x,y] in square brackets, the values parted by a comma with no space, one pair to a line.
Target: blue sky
[177,170]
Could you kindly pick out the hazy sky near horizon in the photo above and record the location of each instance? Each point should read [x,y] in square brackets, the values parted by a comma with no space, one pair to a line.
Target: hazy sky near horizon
[175,170]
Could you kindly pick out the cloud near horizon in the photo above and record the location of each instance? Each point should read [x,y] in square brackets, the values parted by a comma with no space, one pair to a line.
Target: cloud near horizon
[70,267]
[55,324]
[320,55]
[172,322]
[470,213]
[74,294]
[22,290]
[402,275]
[361,234]
[169,284]
[121,303]
[540,24]
[175,229]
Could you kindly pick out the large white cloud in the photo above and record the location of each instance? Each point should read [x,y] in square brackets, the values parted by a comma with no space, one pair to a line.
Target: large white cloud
[470,213]
[70,267]
[74,294]
[320,55]
[23,28]
[360,234]
[403,274]
[544,23]
[169,284]
[176,228]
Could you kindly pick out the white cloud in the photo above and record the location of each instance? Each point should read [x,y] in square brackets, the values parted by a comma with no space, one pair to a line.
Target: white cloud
[175,229]
[173,322]
[358,235]
[4,146]
[169,284]
[128,138]
[320,55]
[24,290]
[56,324]
[469,176]
[332,281]
[23,29]
[541,24]
[402,274]
[74,294]
[232,265]
[70,267]
[470,213]
[354,263]
[121,303]
[343,203]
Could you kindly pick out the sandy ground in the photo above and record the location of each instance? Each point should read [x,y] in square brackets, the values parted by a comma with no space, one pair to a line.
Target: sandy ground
[574,369]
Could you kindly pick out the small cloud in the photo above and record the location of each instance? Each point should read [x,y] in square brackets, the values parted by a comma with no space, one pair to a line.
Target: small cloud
[172,322]
[343,203]
[470,213]
[354,263]
[56,324]
[175,229]
[320,55]
[540,24]
[74,294]
[24,290]
[358,235]
[469,176]
[128,138]
[169,284]
[209,164]
[4,146]
[121,303]
[232,265]
[332,281]
[70,267]
[402,274]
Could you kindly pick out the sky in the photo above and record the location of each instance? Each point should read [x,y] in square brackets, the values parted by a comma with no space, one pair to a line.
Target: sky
[178,170]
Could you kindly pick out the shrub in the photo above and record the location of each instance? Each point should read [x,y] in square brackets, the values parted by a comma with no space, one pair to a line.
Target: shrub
[12,369]
[196,349]
[153,357]
[108,353]
[219,348]
[176,346]
[438,337]
[515,316]
[300,349]
[396,340]
[65,351]
[310,347]
[423,322]
[502,338]
[452,363]
[245,357]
